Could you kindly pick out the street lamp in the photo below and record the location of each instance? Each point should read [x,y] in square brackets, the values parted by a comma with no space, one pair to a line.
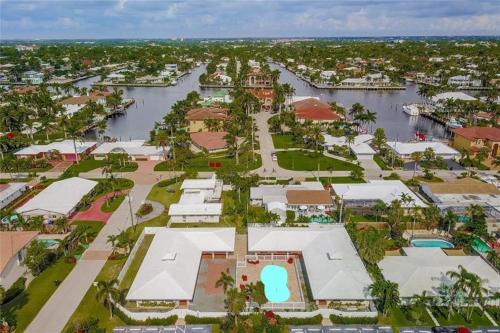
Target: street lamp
[129,199]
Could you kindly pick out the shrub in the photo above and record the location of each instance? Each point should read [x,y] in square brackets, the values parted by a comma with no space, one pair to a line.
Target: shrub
[145,209]
[352,320]
[150,321]
[316,320]
[17,288]
[189,319]
[167,182]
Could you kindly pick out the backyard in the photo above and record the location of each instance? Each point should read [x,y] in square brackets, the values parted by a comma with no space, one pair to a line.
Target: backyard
[201,162]
[309,161]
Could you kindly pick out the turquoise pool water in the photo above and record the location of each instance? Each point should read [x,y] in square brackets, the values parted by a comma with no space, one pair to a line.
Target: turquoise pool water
[479,245]
[275,280]
[321,219]
[432,243]
[48,242]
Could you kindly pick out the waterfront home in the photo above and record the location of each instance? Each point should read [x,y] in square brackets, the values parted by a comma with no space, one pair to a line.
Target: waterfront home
[149,79]
[217,97]
[59,199]
[115,77]
[197,118]
[76,103]
[199,202]
[63,150]
[459,194]
[135,149]
[265,97]
[359,147]
[422,269]
[439,99]
[171,68]
[257,78]
[404,150]
[209,141]
[171,268]
[327,75]
[10,192]
[366,195]
[315,110]
[370,80]
[221,77]
[13,245]
[32,77]
[328,259]
[473,139]
[462,81]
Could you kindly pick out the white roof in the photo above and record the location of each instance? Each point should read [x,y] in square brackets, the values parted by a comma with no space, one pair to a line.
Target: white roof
[200,209]
[334,268]
[134,147]
[407,148]
[11,188]
[453,95]
[425,269]
[59,197]
[362,148]
[385,190]
[170,268]
[63,147]
[342,140]
[199,184]
[269,193]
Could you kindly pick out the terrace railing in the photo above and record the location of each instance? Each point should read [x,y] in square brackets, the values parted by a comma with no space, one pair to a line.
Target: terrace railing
[278,306]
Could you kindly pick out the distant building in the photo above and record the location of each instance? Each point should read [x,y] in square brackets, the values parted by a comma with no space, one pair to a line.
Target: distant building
[370,80]
[315,110]
[404,150]
[32,77]
[473,139]
[197,118]
[327,75]
[464,81]
[265,97]
[217,97]
[76,103]
[13,245]
[10,192]
[135,149]
[64,150]
[257,79]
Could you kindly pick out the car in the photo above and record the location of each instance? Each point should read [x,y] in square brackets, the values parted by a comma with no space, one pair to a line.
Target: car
[274,156]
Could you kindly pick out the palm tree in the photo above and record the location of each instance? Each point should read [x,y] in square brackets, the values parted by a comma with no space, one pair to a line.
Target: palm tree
[416,157]
[461,279]
[379,207]
[106,291]
[225,281]
[449,220]
[387,294]
[112,239]
[494,258]
[236,303]
[371,245]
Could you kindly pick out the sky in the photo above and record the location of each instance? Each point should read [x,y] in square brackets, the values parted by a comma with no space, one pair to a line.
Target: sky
[102,19]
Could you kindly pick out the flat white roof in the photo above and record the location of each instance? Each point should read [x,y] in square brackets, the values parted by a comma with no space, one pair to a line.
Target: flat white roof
[407,148]
[170,268]
[134,147]
[10,188]
[199,209]
[425,268]
[453,95]
[385,190]
[269,193]
[334,268]
[63,147]
[199,184]
[59,197]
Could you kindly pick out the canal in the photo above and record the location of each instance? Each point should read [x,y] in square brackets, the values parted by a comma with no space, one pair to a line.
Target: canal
[153,103]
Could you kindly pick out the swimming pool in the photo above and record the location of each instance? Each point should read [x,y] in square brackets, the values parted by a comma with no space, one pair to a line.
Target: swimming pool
[432,243]
[275,280]
[48,242]
[479,245]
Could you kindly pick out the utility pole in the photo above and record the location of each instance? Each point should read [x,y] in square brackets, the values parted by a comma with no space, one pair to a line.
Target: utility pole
[341,204]
[130,209]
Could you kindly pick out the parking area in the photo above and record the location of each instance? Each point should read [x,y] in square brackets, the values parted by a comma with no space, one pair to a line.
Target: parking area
[164,329]
[340,329]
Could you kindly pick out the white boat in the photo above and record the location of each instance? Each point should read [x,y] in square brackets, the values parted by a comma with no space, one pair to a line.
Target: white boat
[173,83]
[453,123]
[411,109]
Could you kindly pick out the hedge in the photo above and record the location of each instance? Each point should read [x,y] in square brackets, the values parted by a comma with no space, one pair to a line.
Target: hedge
[352,320]
[189,319]
[150,321]
[171,181]
[17,288]
[316,320]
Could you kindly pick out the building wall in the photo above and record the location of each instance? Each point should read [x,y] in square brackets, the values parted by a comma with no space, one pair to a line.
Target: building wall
[13,271]
[195,218]
[460,142]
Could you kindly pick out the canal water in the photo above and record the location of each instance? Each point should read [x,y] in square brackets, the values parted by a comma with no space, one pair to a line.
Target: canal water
[153,103]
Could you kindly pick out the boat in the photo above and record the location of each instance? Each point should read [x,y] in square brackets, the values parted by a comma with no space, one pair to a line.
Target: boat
[173,83]
[411,109]
[453,123]
[419,136]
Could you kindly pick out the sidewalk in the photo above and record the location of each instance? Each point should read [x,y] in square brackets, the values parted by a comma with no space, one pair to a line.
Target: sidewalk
[58,310]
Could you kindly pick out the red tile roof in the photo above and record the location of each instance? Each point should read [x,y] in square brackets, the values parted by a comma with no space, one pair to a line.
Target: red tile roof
[207,113]
[25,89]
[262,94]
[313,109]
[484,133]
[209,140]
[79,100]
[97,93]
[11,242]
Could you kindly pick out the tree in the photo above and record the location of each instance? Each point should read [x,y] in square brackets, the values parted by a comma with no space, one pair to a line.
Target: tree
[225,281]
[106,291]
[481,155]
[371,245]
[357,173]
[258,294]
[477,220]
[387,294]
[236,303]
[379,139]
[431,217]
[494,258]
[395,219]
[379,207]
[416,157]
[37,257]
[449,221]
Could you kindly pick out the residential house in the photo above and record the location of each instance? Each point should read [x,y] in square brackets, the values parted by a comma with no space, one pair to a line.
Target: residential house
[10,192]
[257,78]
[472,139]
[64,150]
[135,149]
[197,118]
[13,245]
[76,103]
[265,97]
[59,199]
[404,150]
[209,141]
[327,75]
[360,146]
[464,81]
[315,110]
[32,77]
[199,202]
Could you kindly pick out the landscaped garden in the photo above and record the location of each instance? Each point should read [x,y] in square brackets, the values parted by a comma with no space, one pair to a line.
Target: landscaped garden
[111,204]
[284,141]
[309,161]
[202,162]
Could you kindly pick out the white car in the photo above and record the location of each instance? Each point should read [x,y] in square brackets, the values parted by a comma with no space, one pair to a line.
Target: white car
[274,157]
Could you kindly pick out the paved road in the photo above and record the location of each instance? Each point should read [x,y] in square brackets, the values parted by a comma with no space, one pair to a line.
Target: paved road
[56,312]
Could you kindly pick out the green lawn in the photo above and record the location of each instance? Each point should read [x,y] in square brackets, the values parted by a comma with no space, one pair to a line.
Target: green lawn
[201,162]
[112,203]
[401,317]
[86,165]
[26,306]
[381,162]
[284,141]
[161,195]
[308,161]
[136,262]
[336,180]
[478,319]
[95,225]
[89,306]
[433,180]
